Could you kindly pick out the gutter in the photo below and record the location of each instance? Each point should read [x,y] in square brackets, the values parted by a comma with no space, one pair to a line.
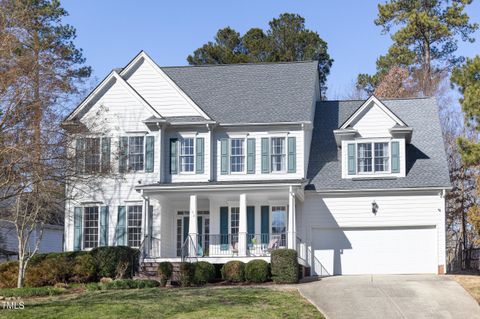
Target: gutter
[437,188]
[209,187]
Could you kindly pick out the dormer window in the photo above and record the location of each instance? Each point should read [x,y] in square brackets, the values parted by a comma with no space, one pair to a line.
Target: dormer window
[376,161]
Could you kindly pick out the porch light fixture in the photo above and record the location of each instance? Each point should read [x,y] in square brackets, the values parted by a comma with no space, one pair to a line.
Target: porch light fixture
[374,208]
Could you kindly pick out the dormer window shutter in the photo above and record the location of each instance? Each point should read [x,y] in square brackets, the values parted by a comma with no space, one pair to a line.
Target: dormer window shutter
[250,156]
[104,226]
[395,157]
[149,153]
[173,156]
[292,155]
[351,159]
[77,231]
[224,156]
[105,154]
[199,155]
[265,155]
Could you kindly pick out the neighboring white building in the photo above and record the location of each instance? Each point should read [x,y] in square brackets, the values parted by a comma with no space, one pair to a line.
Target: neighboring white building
[232,161]
[51,241]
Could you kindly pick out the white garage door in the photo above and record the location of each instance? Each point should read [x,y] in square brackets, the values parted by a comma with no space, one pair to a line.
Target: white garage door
[352,251]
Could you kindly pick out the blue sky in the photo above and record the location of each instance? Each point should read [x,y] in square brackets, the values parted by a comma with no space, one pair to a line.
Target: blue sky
[112,32]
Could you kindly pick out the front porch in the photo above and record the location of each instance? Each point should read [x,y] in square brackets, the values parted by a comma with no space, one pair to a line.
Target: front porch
[218,224]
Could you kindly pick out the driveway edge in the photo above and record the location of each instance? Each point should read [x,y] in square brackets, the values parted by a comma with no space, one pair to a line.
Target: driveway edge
[313,303]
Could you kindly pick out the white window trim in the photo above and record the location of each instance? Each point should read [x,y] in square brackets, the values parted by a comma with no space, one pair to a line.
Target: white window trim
[83,226]
[131,204]
[285,139]
[281,204]
[241,137]
[179,148]
[372,143]
[128,135]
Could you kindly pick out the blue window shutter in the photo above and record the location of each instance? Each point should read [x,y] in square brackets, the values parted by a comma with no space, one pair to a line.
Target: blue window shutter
[200,233]
[104,226]
[250,156]
[78,228]
[395,157]
[265,224]
[80,155]
[265,155]
[250,220]
[199,155]
[292,155]
[351,159]
[105,154]
[120,234]
[123,154]
[224,156]
[224,228]
[173,155]
[149,153]
[186,227]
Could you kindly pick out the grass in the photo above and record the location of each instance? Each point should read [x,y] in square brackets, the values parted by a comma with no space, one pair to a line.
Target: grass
[31,292]
[235,302]
[471,283]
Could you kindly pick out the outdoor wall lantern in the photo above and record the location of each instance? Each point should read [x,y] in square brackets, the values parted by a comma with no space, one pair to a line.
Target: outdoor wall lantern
[374,208]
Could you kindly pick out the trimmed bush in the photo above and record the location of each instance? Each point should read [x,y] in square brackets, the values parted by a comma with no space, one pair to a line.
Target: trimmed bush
[257,271]
[84,269]
[56,268]
[164,271]
[233,271]
[186,274]
[204,272]
[284,266]
[9,274]
[109,260]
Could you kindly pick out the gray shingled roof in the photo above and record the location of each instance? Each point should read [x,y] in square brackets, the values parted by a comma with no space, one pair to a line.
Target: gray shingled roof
[426,160]
[250,93]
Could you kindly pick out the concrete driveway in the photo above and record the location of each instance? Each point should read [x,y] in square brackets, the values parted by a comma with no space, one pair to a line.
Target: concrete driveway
[378,296]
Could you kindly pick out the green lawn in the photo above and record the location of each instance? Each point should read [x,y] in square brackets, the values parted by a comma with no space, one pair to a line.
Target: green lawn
[235,302]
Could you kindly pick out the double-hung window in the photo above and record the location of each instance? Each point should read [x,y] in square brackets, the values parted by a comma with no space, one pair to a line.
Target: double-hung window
[92,155]
[187,157]
[237,157]
[135,153]
[134,225]
[234,223]
[90,227]
[278,154]
[373,157]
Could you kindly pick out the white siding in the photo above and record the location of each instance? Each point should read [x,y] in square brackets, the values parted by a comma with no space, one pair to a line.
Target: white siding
[374,123]
[159,91]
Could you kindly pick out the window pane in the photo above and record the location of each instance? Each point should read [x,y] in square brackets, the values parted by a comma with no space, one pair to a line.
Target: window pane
[234,223]
[278,155]
[237,157]
[279,224]
[90,227]
[135,151]
[134,225]
[381,157]
[187,155]
[92,155]
[364,157]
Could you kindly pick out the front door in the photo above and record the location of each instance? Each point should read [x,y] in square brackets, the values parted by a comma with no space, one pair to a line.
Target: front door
[203,223]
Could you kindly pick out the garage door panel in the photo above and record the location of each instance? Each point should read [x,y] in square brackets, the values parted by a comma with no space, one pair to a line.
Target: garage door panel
[391,250]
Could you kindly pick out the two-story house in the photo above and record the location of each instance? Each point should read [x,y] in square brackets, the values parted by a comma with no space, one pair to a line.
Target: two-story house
[233,161]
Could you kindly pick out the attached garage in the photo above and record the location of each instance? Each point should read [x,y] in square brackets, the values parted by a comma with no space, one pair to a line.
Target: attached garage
[374,250]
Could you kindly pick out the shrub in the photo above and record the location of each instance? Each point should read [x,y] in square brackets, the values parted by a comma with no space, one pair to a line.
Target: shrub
[30,291]
[92,286]
[55,268]
[84,269]
[164,271]
[204,272]
[110,259]
[105,280]
[146,283]
[233,271]
[186,274]
[8,274]
[131,284]
[257,271]
[284,266]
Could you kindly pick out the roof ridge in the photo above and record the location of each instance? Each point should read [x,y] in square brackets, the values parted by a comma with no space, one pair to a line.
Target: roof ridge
[236,64]
[388,99]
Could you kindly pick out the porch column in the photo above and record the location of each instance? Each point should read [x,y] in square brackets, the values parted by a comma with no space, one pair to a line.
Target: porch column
[292,227]
[242,226]
[192,227]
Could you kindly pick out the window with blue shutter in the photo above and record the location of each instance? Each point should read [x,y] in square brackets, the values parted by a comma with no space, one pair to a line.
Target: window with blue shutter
[351,159]
[123,154]
[395,157]
[224,156]
[120,231]
[224,228]
[199,155]
[80,155]
[265,155]
[105,154]
[77,231]
[104,226]
[173,156]
[292,155]
[250,156]
[149,153]
[251,221]
[265,224]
